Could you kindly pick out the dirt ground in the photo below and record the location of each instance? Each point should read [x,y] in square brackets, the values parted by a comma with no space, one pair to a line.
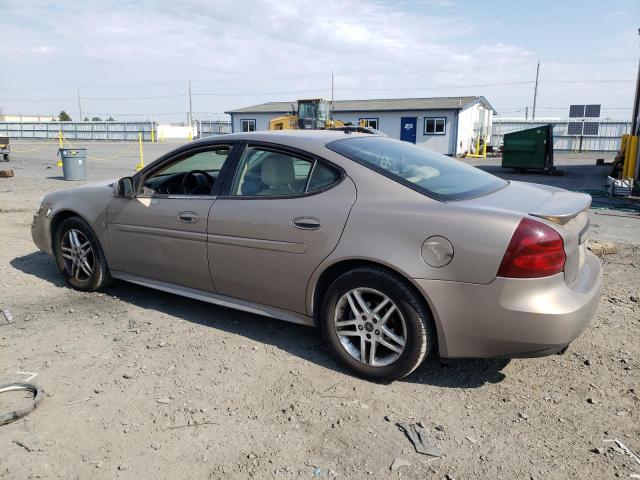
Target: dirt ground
[142,384]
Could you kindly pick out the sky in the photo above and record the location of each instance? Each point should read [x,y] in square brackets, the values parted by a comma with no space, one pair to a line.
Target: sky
[134,60]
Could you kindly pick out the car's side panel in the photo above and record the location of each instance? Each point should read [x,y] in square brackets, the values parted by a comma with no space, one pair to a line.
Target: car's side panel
[256,253]
[147,237]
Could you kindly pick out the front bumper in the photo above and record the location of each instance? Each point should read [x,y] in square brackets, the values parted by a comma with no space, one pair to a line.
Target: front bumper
[41,230]
[513,317]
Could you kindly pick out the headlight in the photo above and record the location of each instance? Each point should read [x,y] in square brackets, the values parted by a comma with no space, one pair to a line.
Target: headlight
[39,204]
[43,207]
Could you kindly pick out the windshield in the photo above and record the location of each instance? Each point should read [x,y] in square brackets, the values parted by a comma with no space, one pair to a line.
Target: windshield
[431,173]
[313,110]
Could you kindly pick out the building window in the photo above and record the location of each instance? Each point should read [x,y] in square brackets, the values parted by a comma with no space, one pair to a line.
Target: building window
[369,122]
[435,125]
[248,125]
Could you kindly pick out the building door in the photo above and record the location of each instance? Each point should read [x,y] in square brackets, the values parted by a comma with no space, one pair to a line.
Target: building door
[408,127]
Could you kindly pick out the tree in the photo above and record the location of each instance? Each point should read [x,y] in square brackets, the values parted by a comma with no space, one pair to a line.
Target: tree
[111,119]
[64,116]
[86,119]
[96,119]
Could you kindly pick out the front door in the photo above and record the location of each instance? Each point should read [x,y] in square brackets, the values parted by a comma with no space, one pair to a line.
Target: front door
[161,233]
[408,126]
[281,215]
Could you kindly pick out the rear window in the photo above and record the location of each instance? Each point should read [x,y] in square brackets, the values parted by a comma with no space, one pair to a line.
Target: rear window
[431,173]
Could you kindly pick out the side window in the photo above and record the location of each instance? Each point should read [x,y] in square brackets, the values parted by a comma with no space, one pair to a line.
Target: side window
[322,176]
[192,175]
[268,173]
[248,125]
[369,122]
[435,125]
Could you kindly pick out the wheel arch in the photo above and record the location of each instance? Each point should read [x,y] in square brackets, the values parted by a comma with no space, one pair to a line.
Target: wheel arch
[331,272]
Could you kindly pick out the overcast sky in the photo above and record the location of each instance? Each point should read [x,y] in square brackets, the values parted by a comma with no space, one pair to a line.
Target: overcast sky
[133,59]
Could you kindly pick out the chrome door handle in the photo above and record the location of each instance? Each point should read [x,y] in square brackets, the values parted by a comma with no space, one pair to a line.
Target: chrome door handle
[306,223]
[188,217]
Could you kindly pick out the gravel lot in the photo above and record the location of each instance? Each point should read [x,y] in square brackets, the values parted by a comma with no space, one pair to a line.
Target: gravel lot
[143,384]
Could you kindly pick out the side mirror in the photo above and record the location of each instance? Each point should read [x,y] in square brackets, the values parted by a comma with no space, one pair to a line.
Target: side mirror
[124,187]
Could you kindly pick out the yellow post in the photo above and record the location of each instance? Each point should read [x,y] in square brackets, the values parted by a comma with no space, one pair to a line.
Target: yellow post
[59,162]
[630,159]
[140,164]
[161,136]
[153,135]
[484,149]
[190,135]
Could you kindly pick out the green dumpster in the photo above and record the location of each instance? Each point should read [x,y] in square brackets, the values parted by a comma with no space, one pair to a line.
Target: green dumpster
[530,149]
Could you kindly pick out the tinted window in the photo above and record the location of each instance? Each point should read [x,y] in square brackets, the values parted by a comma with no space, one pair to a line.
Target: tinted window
[431,173]
[322,176]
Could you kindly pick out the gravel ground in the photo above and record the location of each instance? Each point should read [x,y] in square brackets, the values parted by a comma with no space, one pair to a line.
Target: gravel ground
[143,384]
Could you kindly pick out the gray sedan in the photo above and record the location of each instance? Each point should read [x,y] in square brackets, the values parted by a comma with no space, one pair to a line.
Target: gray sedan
[392,250]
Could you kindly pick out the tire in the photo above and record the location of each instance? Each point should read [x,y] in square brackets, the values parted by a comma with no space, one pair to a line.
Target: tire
[63,245]
[410,321]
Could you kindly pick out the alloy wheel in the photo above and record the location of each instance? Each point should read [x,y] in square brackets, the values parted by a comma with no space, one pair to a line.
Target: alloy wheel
[370,327]
[79,259]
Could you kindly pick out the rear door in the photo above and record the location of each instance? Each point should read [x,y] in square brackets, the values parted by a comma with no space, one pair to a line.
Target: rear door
[408,126]
[161,233]
[282,213]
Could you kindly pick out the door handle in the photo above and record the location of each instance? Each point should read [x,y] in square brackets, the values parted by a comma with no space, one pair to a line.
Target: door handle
[188,217]
[306,223]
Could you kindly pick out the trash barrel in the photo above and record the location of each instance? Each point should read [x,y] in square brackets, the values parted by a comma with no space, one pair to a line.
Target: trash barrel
[74,163]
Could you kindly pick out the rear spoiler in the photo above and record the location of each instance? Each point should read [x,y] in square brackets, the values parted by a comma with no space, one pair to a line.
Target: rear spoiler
[562,207]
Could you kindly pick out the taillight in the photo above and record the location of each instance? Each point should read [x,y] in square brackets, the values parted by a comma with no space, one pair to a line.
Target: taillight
[536,250]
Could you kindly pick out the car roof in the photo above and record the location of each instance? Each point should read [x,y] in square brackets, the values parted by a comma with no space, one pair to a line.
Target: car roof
[311,138]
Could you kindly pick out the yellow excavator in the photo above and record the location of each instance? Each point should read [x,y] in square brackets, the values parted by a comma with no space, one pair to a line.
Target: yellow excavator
[312,114]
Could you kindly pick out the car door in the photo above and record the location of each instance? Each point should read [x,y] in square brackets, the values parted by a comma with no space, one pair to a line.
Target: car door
[161,232]
[282,213]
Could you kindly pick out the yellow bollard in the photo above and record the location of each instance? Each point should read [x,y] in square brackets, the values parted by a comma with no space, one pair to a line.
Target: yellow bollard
[631,158]
[140,164]
[59,163]
[484,149]
[190,136]
[153,135]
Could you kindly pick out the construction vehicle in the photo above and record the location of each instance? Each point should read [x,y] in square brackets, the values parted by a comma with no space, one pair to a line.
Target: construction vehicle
[312,114]
[4,149]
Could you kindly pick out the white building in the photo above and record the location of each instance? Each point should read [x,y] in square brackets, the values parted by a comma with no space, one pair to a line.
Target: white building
[447,125]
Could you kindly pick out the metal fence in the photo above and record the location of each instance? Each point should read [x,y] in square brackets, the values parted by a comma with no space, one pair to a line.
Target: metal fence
[213,127]
[100,131]
[606,140]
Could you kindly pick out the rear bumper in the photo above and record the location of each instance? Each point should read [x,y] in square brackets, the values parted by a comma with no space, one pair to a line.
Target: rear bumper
[513,317]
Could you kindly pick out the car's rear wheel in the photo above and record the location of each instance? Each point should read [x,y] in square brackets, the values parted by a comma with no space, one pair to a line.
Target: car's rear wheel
[79,256]
[376,325]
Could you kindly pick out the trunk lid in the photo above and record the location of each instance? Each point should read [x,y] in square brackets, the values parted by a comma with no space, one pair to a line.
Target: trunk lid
[565,211]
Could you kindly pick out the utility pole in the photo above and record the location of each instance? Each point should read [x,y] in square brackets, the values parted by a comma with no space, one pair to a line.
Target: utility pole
[331,109]
[636,106]
[190,109]
[535,92]
[526,113]
[79,104]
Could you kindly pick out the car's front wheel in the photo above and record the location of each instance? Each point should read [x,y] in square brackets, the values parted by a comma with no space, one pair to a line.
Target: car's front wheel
[79,256]
[376,325]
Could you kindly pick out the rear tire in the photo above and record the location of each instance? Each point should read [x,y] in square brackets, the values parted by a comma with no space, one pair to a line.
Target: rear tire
[79,256]
[371,309]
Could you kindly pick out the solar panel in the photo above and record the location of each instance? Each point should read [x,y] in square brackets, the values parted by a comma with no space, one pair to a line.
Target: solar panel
[574,128]
[592,111]
[590,128]
[576,111]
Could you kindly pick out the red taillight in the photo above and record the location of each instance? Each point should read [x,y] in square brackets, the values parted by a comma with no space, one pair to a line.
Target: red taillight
[536,250]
